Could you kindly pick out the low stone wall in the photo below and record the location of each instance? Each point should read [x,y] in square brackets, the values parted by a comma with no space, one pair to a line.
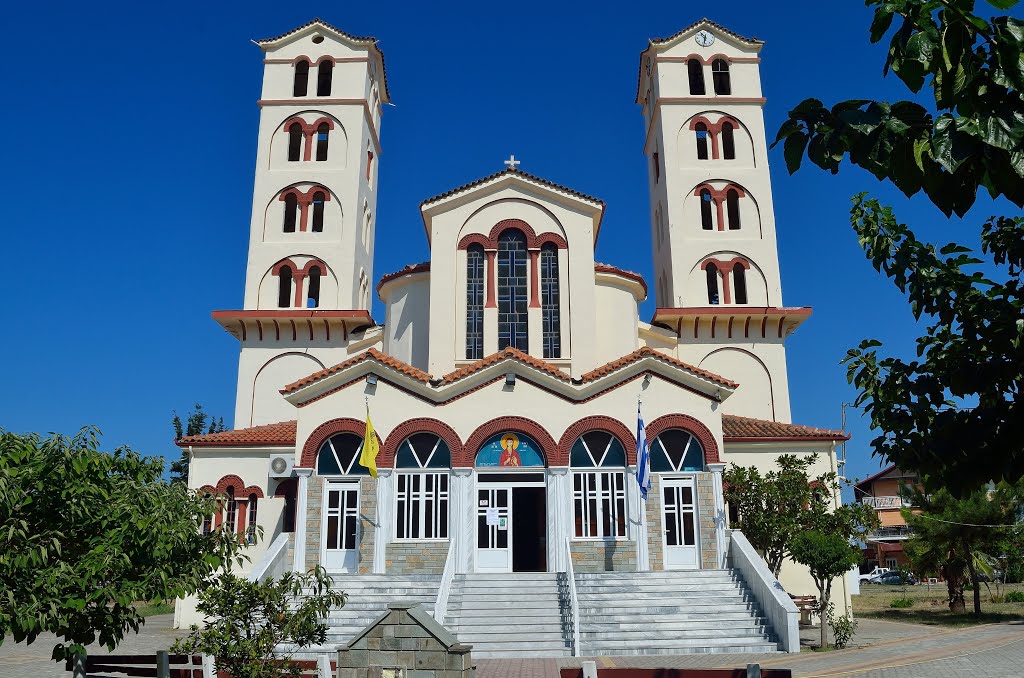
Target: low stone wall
[419,557]
[604,556]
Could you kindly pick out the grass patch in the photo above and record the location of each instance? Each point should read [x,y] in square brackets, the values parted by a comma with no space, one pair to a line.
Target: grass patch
[927,604]
[151,609]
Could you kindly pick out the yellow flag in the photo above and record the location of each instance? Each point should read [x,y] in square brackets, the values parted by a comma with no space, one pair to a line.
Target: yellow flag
[371,447]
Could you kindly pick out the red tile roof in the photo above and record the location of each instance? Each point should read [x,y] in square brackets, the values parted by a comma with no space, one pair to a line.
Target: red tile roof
[369,354]
[515,172]
[647,352]
[408,270]
[505,354]
[738,428]
[712,24]
[281,433]
[608,268]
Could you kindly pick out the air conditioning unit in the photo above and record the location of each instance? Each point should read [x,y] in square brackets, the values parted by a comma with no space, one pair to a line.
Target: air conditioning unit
[281,465]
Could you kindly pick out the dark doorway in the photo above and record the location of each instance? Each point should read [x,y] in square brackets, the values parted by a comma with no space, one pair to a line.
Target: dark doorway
[529,517]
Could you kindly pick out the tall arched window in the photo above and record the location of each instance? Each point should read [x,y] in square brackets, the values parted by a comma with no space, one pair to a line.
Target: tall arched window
[291,212]
[706,220]
[598,461]
[720,76]
[550,301]
[313,287]
[512,299]
[676,450]
[301,85]
[732,208]
[696,71]
[322,133]
[423,460]
[294,142]
[231,511]
[474,302]
[250,523]
[712,275]
[728,141]
[323,78]
[318,211]
[284,287]
[702,140]
[339,456]
[739,283]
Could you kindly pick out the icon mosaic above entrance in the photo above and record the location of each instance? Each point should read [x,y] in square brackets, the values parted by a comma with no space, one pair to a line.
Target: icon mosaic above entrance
[510,450]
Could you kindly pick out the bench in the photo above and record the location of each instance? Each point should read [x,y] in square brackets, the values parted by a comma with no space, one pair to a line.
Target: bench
[808,606]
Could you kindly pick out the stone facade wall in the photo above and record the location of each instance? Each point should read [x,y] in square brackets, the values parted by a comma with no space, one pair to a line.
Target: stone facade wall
[314,508]
[367,518]
[655,546]
[604,556]
[421,557]
[708,548]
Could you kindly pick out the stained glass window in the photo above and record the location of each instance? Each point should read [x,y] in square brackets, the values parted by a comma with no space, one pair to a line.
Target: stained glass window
[475,302]
[676,450]
[549,302]
[512,300]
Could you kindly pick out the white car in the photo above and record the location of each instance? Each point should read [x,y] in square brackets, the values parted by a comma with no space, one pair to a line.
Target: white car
[868,576]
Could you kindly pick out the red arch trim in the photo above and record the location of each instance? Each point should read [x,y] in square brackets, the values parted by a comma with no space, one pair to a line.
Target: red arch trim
[533,241]
[420,425]
[325,431]
[710,59]
[596,422]
[284,263]
[719,193]
[475,239]
[522,424]
[308,127]
[237,484]
[310,264]
[687,423]
[306,197]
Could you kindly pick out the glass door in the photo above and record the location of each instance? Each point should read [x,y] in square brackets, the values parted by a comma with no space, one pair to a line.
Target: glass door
[679,518]
[494,529]
[340,531]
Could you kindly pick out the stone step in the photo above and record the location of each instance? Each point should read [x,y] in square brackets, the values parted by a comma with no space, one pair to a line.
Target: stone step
[505,606]
[685,591]
[670,622]
[518,653]
[681,643]
[673,575]
[631,637]
[619,651]
[506,628]
[668,607]
[499,637]
[503,597]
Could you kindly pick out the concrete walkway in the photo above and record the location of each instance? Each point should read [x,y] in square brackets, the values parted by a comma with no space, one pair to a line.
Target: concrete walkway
[881,649]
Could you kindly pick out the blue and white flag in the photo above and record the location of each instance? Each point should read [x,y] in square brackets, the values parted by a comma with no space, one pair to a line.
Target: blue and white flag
[643,455]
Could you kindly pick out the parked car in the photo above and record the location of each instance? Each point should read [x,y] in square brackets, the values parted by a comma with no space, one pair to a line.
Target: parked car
[893,579]
[866,577]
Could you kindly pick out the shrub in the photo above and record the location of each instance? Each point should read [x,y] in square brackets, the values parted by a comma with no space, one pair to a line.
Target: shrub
[1015,597]
[901,603]
[842,628]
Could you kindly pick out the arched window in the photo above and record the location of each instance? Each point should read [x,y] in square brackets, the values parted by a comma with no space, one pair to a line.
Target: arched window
[706,220]
[676,450]
[291,212]
[207,520]
[301,85]
[294,142]
[696,72]
[739,283]
[250,523]
[512,299]
[598,460]
[339,456]
[474,302]
[284,287]
[549,301]
[732,208]
[231,510]
[318,211]
[322,133]
[728,141]
[323,78]
[712,275]
[720,76]
[313,287]
[702,140]
[423,461]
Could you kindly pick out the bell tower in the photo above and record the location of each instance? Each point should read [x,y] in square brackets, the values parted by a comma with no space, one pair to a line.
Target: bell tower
[716,263]
[310,263]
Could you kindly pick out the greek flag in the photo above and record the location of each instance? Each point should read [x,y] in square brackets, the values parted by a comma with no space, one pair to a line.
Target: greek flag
[643,455]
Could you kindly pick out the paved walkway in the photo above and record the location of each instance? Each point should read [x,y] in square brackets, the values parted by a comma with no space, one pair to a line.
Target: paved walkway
[881,649]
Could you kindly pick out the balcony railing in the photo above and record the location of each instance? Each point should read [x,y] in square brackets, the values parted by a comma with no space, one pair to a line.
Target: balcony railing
[891,533]
[885,502]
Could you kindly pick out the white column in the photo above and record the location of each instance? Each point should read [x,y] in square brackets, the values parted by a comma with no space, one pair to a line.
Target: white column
[559,520]
[385,519]
[463,517]
[299,553]
[716,483]
[638,521]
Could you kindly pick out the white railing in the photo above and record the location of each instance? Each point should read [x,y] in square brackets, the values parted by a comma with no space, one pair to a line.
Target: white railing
[574,601]
[274,562]
[445,588]
[778,607]
[884,502]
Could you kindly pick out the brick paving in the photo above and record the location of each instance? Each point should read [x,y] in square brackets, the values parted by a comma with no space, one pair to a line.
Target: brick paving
[881,650]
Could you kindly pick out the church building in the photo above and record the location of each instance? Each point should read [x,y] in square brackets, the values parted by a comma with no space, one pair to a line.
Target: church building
[505,376]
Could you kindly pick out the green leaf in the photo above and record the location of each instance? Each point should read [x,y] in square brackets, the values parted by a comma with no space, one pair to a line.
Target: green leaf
[794,151]
[1002,4]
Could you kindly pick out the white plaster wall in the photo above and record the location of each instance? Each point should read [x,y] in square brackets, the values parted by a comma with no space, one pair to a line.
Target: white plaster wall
[754,397]
[264,368]
[407,323]
[330,294]
[758,293]
[686,146]
[337,144]
[745,363]
[279,244]
[617,317]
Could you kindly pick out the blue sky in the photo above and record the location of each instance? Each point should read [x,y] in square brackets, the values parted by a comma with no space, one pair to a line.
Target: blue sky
[130,142]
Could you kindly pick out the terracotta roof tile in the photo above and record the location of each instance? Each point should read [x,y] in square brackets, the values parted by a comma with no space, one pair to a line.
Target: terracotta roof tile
[411,268]
[369,354]
[709,22]
[734,426]
[608,268]
[646,352]
[516,172]
[281,433]
[505,354]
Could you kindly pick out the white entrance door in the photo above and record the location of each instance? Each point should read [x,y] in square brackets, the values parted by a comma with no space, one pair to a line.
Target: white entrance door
[494,529]
[679,518]
[340,520]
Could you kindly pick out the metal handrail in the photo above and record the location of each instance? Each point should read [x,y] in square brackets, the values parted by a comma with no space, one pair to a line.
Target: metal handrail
[574,602]
[445,587]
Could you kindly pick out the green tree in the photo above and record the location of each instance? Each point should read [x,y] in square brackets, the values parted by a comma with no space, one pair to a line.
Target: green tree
[827,555]
[248,621]
[195,425]
[87,535]
[775,507]
[958,537]
[971,139]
